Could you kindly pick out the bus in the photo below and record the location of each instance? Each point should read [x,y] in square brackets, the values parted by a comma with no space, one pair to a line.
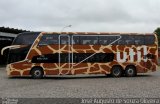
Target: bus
[40,54]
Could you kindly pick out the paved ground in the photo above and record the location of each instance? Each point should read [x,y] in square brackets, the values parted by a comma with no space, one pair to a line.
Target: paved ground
[147,85]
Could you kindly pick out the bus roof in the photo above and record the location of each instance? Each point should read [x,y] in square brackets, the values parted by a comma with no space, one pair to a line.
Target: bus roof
[97,33]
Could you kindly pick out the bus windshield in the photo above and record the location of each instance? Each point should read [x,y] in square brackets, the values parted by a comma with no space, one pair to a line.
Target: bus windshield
[24,39]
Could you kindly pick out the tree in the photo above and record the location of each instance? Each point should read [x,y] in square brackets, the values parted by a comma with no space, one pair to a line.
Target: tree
[157,31]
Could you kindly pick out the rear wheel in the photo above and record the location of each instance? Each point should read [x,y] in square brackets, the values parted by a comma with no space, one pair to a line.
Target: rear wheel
[37,73]
[130,71]
[117,71]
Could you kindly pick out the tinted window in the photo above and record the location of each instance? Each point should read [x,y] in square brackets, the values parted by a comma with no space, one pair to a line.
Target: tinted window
[129,40]
[75,39]
[139,40]
[106,40]
[103,40]
[125,40]
[112,39]
[64,39]
[19,54]
[49,39]
[149,39]
[64,57]
[77,57]
[98,57]
[48,58]
[88,39]
[25,38]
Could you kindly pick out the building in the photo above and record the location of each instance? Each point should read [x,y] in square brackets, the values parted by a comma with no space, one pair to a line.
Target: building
[7,35]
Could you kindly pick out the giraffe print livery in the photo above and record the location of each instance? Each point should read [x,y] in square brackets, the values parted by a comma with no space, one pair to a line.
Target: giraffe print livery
[123,55]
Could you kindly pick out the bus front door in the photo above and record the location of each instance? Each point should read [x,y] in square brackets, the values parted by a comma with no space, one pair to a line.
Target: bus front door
[64,54]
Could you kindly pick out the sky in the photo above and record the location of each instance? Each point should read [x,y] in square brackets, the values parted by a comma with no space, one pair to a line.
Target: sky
[84,15]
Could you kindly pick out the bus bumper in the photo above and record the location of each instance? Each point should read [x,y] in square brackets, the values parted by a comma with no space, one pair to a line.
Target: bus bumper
[8,69]
[12,72]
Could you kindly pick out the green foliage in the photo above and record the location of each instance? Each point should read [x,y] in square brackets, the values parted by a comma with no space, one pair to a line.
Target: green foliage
[157,31]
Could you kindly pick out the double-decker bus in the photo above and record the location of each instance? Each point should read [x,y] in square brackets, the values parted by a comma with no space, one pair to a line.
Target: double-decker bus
[69,53]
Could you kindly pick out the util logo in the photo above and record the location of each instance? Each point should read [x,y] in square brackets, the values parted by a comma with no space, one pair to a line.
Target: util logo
[132,54]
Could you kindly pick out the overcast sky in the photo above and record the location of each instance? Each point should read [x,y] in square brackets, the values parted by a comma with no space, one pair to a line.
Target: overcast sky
[83,15]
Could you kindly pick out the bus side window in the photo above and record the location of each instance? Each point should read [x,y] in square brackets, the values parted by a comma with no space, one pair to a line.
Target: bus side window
[107,40]
[49,39]
[75,40]
[129,40]
[90,40]
[149,39]
[126,40]
[139,40]
[103,40]
[121,41]
[64,40]
[112,40]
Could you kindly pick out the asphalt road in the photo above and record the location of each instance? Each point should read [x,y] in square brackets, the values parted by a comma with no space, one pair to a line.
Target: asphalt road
[79,86]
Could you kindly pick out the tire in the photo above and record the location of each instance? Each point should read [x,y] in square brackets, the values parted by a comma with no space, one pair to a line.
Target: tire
[37,73]
[116,71]
[130,71]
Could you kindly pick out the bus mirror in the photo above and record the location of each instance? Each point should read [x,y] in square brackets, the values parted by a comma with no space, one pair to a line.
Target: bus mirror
[8,47]
[3,49]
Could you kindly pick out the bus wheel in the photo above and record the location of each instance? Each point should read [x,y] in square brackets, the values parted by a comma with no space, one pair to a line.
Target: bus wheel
[117,71]
[130,71]
[37,73]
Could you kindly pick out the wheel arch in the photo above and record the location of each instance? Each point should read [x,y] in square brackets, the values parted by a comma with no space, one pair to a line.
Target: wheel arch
[117,66]
[131,65]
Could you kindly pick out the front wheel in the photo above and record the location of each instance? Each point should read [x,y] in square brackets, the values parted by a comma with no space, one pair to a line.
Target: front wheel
[37,73]
[130,71]
[117,71]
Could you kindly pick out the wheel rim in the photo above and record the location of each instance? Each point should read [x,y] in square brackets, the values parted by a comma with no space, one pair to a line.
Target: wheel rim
[130,71]
[37,73]
[116,72]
